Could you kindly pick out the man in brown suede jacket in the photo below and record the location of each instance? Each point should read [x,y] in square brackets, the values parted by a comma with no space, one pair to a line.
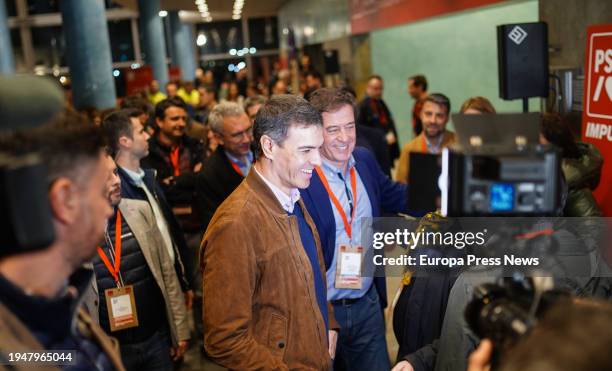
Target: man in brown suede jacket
[265,303]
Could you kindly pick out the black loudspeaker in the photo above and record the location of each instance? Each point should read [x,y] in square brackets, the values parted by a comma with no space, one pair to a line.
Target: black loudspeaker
[522,51]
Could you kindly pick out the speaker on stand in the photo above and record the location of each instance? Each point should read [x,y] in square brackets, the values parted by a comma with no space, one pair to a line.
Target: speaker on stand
[522,51]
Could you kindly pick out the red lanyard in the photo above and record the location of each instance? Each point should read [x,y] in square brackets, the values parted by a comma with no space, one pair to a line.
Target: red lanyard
[236,167]
[114,270]
[347,226]
[174,159]
[424,144]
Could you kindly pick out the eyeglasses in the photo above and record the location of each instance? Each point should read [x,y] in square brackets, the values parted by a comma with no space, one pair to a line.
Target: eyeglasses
[248,132]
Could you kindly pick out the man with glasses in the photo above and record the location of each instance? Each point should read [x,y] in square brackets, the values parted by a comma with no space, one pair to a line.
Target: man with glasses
[230,163]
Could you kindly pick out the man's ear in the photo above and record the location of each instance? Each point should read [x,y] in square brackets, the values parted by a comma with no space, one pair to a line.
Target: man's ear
[64,200]
[124,141]
[267,146]
[219,137]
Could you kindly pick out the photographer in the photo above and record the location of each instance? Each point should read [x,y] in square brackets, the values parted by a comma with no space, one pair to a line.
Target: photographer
[40,289]
[572,336]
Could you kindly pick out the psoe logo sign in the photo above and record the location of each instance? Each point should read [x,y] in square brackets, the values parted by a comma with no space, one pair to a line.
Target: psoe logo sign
[599,91]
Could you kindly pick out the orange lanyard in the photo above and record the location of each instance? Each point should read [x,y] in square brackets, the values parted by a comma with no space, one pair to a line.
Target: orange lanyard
[236,167]
[347,225]
[174,159]
[424,144]
[114,270]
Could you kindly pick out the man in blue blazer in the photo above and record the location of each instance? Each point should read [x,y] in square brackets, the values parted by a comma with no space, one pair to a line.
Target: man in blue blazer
[348,187]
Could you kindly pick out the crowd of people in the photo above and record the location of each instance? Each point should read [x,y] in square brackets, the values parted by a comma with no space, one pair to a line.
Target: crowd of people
[240,203]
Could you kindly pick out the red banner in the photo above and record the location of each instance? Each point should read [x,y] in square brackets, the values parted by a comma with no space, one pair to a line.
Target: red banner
[368,15]
[137,79]
[597,112]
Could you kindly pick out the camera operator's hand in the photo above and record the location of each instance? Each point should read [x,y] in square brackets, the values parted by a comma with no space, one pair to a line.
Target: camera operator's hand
[480,359]
[403,366]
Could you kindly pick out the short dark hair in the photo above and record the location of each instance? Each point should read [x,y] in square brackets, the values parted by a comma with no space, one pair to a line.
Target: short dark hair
[209,89]
[278,114]
[376,77]
[161,107]
[331,99]
[315,74]
[419,80]
[439,99]
[571,336]
[67,146]
[254,100]
[116,125]
[136,102]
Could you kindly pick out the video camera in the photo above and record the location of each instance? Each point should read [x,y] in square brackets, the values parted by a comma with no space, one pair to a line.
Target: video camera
[506,312]
[26,220]
[498,168]
[500,182]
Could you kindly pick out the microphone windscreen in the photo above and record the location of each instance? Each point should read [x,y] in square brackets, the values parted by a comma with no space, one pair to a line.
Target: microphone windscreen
[28,101]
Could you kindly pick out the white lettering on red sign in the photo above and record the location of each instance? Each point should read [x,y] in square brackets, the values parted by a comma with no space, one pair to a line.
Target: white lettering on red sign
[599,90]
[598,131]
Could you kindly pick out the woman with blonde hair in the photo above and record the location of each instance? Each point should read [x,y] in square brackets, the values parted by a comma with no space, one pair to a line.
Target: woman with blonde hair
[477,105]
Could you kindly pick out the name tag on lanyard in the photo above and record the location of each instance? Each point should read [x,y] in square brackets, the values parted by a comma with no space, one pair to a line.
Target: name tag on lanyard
[121,308]
[349,267]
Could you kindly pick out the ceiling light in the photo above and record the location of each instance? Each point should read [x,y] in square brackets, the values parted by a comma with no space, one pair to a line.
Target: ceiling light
[208,19]
[163,13]
[201,40]
[232,51]
[236,16]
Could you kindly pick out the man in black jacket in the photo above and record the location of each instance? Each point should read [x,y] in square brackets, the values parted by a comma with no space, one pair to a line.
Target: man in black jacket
[230,162]
[175,156]
[373,112]
[127,140]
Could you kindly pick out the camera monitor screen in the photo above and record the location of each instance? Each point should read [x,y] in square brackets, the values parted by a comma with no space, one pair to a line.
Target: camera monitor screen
[502,197]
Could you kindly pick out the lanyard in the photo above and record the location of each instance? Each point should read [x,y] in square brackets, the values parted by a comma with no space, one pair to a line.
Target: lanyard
[347,226]
[236,168]
[114,270]
[174,159]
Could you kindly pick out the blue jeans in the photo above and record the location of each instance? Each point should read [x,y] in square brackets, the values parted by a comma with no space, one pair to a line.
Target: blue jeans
[361,343]
[152,354]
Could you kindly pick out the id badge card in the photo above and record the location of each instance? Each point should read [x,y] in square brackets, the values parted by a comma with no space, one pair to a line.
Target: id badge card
[348,267]
[121,307]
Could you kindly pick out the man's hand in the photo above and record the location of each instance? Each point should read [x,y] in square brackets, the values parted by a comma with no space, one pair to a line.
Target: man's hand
[391,139]
[480,359]
[189,299]
[178,352]
[167,181]
[333,341]
[197,167]
[403,366]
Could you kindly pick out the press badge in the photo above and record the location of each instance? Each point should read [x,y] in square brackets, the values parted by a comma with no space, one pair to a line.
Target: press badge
[121,308]
[348,267]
